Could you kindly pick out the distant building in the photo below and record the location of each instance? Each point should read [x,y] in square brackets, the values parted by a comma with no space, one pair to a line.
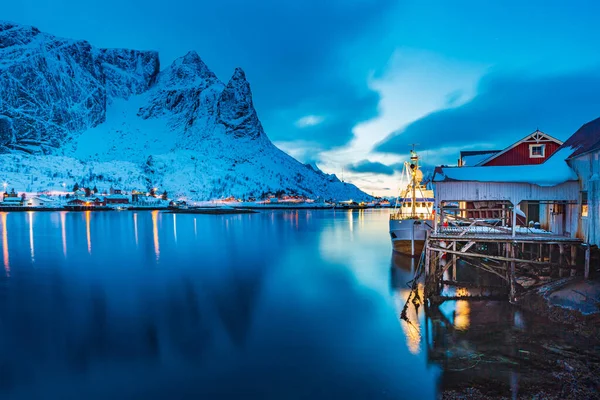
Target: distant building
[36,202]
[116,199]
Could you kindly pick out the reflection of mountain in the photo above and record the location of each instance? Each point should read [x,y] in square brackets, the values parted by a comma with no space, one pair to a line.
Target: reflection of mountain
[236,302]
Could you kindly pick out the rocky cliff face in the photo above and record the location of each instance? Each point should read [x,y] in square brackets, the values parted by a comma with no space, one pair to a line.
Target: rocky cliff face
[52,88]
[96,108]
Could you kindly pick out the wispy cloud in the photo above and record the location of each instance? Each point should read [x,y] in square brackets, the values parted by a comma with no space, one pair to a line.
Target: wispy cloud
[506,108]
[309,120]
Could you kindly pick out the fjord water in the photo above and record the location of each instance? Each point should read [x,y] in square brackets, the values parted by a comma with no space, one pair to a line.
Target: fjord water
[295,304]
[279,304]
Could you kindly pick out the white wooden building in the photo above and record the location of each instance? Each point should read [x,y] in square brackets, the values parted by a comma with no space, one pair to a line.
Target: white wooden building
[585,161]
[565,189]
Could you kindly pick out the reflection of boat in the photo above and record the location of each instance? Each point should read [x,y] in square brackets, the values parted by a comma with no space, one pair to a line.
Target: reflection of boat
[412,216]
[403,262]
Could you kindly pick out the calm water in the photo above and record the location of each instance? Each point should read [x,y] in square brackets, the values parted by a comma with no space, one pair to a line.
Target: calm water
[295,305]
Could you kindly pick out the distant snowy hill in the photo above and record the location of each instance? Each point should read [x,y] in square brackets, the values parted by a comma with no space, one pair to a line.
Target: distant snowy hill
[70,113]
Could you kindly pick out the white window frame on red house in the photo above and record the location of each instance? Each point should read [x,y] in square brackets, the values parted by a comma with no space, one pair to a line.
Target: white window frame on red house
[532,146]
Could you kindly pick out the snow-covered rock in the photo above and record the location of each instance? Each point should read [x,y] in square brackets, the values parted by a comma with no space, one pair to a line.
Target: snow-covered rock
[70,113]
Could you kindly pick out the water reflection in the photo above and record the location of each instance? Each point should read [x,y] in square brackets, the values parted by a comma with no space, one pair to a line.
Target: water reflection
[284,305]
[155,233]
[63,229]
[31,245]
[5,243]
[88,231]
[175,227]
[135,228]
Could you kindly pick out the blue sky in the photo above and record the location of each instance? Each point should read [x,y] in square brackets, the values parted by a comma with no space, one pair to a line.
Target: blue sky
[351,83]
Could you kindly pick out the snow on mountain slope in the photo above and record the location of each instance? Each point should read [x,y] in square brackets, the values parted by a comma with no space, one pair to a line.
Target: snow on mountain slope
[109,117]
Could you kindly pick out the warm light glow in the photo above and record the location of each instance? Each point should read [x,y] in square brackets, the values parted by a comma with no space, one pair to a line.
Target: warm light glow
[461,315]
[412,327]
[87,228]
[30,214]
[155,233]
[5,243]
[64,231]
[135,228]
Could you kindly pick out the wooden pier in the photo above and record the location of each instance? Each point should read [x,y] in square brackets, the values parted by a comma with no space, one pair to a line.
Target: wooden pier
[513,255]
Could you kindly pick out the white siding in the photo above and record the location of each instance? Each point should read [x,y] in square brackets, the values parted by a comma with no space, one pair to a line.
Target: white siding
[513,192]
[587,168]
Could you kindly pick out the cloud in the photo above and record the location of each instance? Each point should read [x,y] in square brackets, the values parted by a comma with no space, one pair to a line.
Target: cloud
[309,120]
[373,167]
[506,108]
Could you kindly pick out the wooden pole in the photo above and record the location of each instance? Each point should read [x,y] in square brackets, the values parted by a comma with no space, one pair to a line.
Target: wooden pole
[514,220]
[454,261]
[513,289]
[561,258]
[586,273]
[427,259]
[573,260]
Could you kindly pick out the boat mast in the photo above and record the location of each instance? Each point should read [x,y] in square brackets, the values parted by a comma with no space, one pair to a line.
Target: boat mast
[414,167]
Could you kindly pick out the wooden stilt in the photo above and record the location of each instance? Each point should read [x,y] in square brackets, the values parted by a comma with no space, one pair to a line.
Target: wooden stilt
[454,261]
[573,260]
[586,273]
[561,258]
[512,282]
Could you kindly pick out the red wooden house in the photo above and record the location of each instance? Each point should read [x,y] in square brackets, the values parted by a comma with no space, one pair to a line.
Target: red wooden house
[534,148]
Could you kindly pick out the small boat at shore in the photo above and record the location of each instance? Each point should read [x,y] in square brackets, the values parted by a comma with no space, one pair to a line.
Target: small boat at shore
[413,213]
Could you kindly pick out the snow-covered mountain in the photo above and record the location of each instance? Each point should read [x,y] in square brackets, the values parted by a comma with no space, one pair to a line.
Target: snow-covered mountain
[70,113]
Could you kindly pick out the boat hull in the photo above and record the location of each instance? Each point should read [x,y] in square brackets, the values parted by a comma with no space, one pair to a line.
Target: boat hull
[408,235]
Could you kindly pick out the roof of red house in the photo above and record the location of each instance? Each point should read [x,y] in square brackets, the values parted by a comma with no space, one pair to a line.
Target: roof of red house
[552,172]
[585,140]
[537,135]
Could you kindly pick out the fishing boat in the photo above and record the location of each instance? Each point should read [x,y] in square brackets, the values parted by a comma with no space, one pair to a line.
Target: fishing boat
[412,216]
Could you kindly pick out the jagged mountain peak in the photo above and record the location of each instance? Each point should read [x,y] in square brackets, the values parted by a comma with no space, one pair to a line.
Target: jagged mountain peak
[236,109]
[188,71]
[100,114]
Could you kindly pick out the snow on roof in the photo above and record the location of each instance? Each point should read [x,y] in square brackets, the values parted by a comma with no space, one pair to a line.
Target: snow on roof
[585,140]
[472,158]
[550,173]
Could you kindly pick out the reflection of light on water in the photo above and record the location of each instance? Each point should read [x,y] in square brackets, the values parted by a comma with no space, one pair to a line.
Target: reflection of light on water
[361,218]
[461,315]
[412,327]
[195,229]
[351,221]
[87,228]
[135,229]
[175,227]
[155,233]
[5,243]
[30,214]
[63,229]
